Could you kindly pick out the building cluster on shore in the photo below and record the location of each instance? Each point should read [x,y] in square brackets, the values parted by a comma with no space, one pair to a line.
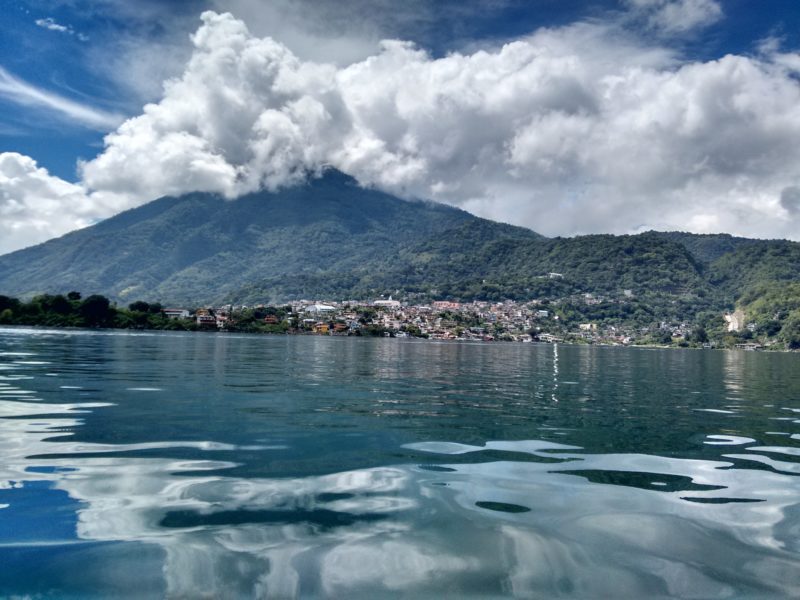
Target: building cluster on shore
[443,320]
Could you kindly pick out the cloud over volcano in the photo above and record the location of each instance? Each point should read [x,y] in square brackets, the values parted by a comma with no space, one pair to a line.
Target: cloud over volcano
[575,129]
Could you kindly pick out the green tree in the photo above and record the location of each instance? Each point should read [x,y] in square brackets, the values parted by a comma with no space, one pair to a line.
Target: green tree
[770,328]
[790,333]
[59,304]
[96,310]
[139,306]
[699,335]
[662,337]
[8,302]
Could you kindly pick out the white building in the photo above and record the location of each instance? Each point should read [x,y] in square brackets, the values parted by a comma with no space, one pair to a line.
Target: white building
[387,303]
[320,308]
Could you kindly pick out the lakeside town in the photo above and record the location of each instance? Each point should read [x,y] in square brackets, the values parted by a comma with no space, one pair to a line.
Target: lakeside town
[578,319]
[508,321]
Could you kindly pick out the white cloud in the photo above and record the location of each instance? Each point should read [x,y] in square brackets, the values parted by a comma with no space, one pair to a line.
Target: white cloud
[577,129]
[676,16]
[50,24]
[140,57]
[21,92]
[341,32]
[36,206]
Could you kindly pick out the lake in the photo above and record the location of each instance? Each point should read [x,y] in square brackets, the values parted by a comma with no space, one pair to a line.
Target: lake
[227,466]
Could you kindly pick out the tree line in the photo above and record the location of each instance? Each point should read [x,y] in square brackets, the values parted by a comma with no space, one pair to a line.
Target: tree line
[73,310]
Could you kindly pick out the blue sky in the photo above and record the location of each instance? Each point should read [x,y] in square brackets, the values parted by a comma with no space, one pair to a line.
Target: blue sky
[72,72]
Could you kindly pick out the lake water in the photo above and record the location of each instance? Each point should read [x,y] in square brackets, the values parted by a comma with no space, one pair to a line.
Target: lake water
[192,465]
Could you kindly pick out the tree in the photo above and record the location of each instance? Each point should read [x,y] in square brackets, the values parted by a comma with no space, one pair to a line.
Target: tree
[74,296]
[139,306]
[59,304]
[790,333]
[700,335]
[770,328]
[662,337]
[96,310]
[7,302]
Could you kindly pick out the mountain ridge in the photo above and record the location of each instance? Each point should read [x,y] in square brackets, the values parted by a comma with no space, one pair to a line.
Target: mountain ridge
[189,247]
[330,238]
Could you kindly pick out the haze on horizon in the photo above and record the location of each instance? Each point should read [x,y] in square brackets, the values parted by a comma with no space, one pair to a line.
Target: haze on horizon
[564,117]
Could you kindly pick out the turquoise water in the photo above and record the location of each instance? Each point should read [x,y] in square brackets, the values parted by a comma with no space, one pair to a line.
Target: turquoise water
[203,465]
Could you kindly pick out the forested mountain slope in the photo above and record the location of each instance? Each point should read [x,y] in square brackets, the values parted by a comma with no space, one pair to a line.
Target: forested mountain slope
[330,238]
[200,248]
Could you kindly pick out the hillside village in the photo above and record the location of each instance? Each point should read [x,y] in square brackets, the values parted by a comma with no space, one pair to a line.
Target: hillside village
[510,321]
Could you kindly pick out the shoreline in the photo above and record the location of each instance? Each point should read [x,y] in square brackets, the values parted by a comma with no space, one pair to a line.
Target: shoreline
[141,331]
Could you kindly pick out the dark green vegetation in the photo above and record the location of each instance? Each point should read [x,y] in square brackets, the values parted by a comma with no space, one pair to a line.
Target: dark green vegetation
[98,311]
[650,268]
[74,311]
[332,239]
[774,310]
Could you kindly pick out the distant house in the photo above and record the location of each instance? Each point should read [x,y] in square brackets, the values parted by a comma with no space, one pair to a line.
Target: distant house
[387,303]
[321,328]
[548,337]
[271,319]
[446,305]
[748,346]
[339,328]
[176,313]
[206,320]
[320,308]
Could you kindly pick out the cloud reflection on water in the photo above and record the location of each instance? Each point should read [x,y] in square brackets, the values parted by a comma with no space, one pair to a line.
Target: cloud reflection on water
[578,538]
[504,517]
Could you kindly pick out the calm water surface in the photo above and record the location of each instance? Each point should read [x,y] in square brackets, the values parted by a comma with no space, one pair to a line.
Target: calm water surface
[190,465]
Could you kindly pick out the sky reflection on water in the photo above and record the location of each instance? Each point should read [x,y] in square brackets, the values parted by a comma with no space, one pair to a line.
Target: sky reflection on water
[189,465]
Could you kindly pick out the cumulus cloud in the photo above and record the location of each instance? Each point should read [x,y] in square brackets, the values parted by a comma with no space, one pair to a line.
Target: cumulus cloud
[36,206]
[676,16]
[576,129]
[573,129]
